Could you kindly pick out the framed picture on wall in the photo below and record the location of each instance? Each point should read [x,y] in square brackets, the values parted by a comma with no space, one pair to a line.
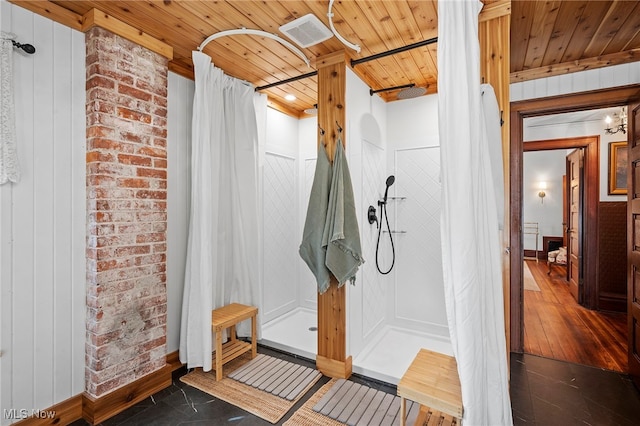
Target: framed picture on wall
[617,168]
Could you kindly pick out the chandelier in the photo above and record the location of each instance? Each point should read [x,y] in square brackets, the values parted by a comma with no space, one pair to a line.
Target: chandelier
[617,123]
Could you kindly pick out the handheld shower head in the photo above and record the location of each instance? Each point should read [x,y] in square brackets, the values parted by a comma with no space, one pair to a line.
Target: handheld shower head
[390,180]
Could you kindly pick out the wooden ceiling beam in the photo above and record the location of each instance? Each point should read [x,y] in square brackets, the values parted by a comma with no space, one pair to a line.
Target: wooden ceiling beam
[285,109]
[97,18]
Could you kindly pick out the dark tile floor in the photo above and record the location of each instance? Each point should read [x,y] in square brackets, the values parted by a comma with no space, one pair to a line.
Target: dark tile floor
[550,392]
[544,392]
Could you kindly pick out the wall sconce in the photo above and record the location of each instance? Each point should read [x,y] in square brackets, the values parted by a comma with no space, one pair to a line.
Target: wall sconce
[617,123]
[542,186]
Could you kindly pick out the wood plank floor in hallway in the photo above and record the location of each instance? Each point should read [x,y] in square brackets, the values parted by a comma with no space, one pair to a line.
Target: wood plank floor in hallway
[556,327]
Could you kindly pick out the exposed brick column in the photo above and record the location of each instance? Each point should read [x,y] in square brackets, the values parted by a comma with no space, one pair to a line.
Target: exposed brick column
[127,211]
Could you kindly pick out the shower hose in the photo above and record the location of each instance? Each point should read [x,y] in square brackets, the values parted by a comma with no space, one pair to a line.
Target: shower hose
[383,212]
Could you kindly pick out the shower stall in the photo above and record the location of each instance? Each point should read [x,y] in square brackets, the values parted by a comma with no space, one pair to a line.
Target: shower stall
[397,305]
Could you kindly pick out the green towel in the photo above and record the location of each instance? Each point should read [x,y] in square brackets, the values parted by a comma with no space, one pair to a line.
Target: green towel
[341,235]
[312,250]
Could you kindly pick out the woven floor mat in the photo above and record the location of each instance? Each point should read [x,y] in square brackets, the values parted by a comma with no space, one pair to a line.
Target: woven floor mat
[306,416]
[257,402]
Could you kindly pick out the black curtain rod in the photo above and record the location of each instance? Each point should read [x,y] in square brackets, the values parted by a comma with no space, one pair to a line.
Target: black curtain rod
[404,86]
[288,80]
[355,62]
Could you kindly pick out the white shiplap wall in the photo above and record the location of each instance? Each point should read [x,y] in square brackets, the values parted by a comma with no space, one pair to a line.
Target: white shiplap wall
[180,109]
[601,78]
[43,220]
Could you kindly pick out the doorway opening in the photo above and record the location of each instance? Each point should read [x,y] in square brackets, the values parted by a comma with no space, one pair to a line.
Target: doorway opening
[582,268]
[534,108]
[556,325]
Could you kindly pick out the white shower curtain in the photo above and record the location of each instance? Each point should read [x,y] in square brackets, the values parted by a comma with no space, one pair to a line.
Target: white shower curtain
[470,235]
[9,170]
[223,250]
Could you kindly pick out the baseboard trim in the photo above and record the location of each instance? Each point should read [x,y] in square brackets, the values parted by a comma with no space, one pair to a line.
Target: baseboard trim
[613,302]
[96,410]
[173,359]
[64,413]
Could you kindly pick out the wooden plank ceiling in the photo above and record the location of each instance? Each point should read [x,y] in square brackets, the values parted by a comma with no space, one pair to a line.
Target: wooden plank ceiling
[547,38]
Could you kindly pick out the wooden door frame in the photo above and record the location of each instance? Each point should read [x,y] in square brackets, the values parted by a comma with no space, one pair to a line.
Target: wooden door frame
[518,112]
[632,239]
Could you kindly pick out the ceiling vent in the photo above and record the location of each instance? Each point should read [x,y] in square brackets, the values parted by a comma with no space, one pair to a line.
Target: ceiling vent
[306,30]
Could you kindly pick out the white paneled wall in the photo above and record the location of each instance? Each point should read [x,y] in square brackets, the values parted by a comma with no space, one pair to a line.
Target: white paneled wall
[375,294]
[618,75]
[366,152]
[307,154]
[280,216]
[43,220]
[419,283]
[418,297]
[180,109]
[281,241]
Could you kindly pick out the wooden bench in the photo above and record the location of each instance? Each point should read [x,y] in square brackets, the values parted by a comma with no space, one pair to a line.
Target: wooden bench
[431,380]
[227,317]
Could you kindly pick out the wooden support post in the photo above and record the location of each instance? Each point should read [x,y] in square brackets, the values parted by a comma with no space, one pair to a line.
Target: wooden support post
[332,359]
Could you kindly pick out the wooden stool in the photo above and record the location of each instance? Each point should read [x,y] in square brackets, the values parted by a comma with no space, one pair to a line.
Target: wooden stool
[227,317]
[431,380]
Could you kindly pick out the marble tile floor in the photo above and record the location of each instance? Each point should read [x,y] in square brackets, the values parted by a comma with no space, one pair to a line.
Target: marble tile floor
[544,392]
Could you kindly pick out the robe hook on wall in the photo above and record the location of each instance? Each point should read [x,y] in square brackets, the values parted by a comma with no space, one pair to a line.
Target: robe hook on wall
[339,127]
[321,130]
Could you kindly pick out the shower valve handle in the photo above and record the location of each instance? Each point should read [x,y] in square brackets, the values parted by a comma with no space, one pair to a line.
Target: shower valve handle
[371,216]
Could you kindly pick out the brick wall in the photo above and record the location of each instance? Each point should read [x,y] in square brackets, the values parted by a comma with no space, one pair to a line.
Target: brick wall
[127,211]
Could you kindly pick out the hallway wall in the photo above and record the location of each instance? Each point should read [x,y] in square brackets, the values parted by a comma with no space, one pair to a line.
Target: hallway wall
[547,166]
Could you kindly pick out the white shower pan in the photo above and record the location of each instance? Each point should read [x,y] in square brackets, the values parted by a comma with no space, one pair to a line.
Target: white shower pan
[386,357]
